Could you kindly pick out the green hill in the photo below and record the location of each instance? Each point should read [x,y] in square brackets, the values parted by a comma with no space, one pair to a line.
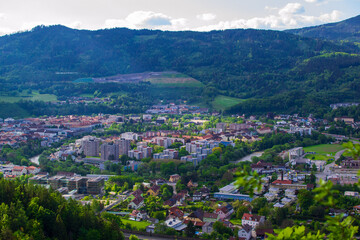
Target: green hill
[257,66]
[348,30]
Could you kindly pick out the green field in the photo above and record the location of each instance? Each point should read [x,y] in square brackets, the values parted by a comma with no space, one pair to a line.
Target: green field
[236,221]
[224,102]
[141,226]
[324,148]
[322,157]
[323,152]
[34,96]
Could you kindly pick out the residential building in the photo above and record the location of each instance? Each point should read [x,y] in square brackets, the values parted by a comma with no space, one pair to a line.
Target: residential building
[174,178]
[154,190]
[124,146]
[91,147]
[252,220]
[208,227]
[245,232]
[136,203]
[109,151]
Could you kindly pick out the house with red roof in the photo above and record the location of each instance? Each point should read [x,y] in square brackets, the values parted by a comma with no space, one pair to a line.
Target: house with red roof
[19,170]
[136,203]
[32,170]
[252,220]
[224,211]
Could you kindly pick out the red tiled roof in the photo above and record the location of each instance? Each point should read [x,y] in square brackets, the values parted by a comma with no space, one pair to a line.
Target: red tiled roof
[282,182]
[251,217]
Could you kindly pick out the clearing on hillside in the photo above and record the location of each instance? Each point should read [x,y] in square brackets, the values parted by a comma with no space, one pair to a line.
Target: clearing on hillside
[224,102]
[33,96]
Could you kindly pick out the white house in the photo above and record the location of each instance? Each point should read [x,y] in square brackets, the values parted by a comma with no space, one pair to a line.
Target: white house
[245,232]
[136,203]
[224,211]
[32,170]
[19,170]
[252,220]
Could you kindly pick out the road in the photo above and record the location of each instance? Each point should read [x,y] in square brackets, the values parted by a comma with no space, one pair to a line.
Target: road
[127,235]
[327,170]
[112,205]
[35,159]
[248,157]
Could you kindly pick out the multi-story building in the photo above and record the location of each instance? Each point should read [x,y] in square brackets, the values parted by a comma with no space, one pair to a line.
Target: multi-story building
[91,147]
[109,151]
[95,185]
[124,146]
[78,183]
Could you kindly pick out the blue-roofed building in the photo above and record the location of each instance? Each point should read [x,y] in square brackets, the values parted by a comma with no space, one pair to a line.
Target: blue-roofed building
[226,196]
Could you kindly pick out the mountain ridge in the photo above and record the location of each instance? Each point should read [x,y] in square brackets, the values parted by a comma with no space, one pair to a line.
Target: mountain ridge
[242,63]
[348,29]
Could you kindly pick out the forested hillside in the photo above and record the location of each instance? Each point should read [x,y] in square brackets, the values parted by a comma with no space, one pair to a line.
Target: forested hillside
[246,64]
[348,30]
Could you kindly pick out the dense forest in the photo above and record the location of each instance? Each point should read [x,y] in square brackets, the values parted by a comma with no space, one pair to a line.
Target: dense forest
[33,212]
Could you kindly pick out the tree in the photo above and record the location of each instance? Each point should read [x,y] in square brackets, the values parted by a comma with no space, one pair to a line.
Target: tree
[258,203]
[133,237]
[180,186]
[274,176]
[241,210]
[222,229]
[166,194]
[190,230]
[305,199]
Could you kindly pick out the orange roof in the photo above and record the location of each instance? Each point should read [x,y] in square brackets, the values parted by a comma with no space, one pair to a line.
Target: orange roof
[282,182]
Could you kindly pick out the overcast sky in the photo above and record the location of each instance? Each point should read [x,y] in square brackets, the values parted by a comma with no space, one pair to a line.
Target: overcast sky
[198,15]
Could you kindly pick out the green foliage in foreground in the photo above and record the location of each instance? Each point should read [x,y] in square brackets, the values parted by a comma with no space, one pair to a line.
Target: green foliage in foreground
[325,195]
[33,212]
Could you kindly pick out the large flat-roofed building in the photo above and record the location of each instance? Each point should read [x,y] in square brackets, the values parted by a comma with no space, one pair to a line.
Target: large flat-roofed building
[226,196]
[56,182]
[296,153]
[95,185]
[78,183]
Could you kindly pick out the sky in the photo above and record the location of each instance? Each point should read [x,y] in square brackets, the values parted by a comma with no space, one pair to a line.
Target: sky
[173,15]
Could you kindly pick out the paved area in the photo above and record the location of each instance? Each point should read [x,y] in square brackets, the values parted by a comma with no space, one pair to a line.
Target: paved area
[248,157]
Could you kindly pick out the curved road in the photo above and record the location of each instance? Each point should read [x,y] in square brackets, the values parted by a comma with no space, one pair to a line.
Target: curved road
[327,170]
[248,157]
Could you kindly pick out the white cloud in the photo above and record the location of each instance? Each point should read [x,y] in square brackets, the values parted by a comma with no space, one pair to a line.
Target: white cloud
[76,25]
[268,8]
[30,25]
[330,17]
[147,19]
[290,16]
[313,1]
[291,8]
[206,16]
[3,16]
[4,31]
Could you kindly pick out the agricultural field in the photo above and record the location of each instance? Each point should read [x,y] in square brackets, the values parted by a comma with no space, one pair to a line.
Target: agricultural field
[175,81]
[224,102]
[33,96]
